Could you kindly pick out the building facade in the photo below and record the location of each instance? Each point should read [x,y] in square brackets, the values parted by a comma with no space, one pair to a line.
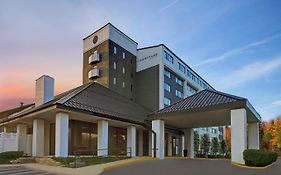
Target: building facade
[118,110]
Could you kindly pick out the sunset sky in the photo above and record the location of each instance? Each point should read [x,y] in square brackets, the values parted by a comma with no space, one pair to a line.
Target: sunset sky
[236,46]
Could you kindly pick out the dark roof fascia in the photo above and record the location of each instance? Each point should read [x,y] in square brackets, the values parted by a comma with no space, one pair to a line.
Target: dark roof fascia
[253,110]
[114,28]
[179,59]
[232,105]
[60,106]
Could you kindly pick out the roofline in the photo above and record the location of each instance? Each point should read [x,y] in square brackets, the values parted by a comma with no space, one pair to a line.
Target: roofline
[177,58]
[114,28]
[26,106]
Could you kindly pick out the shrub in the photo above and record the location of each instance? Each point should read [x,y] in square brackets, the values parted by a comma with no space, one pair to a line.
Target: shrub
[259,158]
[11,155]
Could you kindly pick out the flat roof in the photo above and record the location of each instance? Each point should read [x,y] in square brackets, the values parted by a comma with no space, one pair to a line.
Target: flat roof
[114,28]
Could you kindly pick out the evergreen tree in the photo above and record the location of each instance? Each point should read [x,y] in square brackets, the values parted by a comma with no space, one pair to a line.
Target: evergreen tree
[196,142]
[215,145]
[205,143]
[222,147]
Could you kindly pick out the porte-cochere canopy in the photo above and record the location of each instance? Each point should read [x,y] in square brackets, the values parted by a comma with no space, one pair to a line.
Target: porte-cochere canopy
[203,109]
[209,108]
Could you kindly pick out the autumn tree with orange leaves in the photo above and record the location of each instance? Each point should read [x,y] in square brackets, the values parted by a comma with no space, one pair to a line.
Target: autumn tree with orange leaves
[271,138]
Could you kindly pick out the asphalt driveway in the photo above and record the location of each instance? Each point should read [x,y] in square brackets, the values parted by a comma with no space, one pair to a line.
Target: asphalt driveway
[191,167]
[19,170]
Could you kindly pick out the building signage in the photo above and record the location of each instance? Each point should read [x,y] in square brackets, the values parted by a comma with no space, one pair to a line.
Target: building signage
[148,57]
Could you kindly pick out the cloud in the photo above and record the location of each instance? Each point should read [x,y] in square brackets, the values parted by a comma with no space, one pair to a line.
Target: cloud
[239,50]
[249,73]
[168,6]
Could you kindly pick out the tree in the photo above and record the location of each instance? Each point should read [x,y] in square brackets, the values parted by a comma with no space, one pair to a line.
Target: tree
[215,145]
[196,142]
[205,144]
[222,147]
[279,140]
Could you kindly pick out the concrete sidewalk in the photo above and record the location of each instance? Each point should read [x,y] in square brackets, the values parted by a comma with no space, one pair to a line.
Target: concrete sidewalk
[88,170]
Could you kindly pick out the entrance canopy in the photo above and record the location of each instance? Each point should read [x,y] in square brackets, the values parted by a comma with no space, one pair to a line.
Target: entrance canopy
[204,109]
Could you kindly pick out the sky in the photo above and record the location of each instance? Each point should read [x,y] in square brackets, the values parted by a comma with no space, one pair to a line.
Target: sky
[234,45]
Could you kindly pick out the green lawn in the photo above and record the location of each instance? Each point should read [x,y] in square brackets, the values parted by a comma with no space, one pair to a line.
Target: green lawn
[88,160]
[6,157]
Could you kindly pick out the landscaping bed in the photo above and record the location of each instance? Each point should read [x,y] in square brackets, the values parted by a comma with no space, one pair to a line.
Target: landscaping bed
[7,157]
[69,161]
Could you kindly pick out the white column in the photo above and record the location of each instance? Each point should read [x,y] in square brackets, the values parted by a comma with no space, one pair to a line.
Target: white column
[189,142]
[102,138]
[21,137]
[131,141]
[29,144]
[38,138]
[158,127]
[61,140]
[238,135]
[170,145]
[253,136]
[183,147]
[140,146]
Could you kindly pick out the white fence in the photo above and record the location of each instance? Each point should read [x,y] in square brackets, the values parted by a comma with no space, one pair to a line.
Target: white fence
[8,142]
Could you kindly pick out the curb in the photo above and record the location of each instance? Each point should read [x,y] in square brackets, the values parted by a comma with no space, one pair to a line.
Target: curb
[250,167]
[127,162]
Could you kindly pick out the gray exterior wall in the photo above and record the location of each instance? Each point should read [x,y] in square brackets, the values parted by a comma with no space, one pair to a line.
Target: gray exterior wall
[107,71]
[174,86]
[147,88]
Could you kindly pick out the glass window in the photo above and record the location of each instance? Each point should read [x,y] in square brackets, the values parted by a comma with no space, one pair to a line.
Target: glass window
[123,84]
[179,94]
[168,57]
[179,81]
[115,50]
[124,55]
[191,89]
[114,65]
[167,73]
[117,144]
[167,101]
[181,67]
[123,70]
[114,80]
[167,87]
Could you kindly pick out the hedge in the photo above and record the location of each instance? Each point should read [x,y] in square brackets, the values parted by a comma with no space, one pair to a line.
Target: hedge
[259,158]
[11,155]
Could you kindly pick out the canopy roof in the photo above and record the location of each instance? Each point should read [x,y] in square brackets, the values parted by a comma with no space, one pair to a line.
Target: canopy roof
[203,109]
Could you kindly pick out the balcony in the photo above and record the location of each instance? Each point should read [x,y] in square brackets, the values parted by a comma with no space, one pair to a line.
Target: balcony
[94,58]
[94,73]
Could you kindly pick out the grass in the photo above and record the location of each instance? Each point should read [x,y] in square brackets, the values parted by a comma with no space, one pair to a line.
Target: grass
[6,157]
[88,160]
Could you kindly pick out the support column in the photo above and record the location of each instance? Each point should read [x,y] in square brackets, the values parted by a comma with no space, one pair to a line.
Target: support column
[189,142]
[131,141]
[61,141]
[183,147]
[21,137]
[38,138]
[140,146]
[238,135]
[47,139]
[170,145]
[102,138]
[253,136]
[158,127]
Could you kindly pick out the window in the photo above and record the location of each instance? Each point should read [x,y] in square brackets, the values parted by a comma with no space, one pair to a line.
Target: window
[179,94]
[124,55]
[188,73]
[168,57]
[115,50]
[181,67]
[191,89]
[167,73]
[114,80]
[114,65]
[123,70]
[131,88]
[167,101]
[167,87]
[179,81]
[123,84]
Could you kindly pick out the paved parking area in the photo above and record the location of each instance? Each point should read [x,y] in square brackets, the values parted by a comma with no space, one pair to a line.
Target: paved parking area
[19,170]
[191,167]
